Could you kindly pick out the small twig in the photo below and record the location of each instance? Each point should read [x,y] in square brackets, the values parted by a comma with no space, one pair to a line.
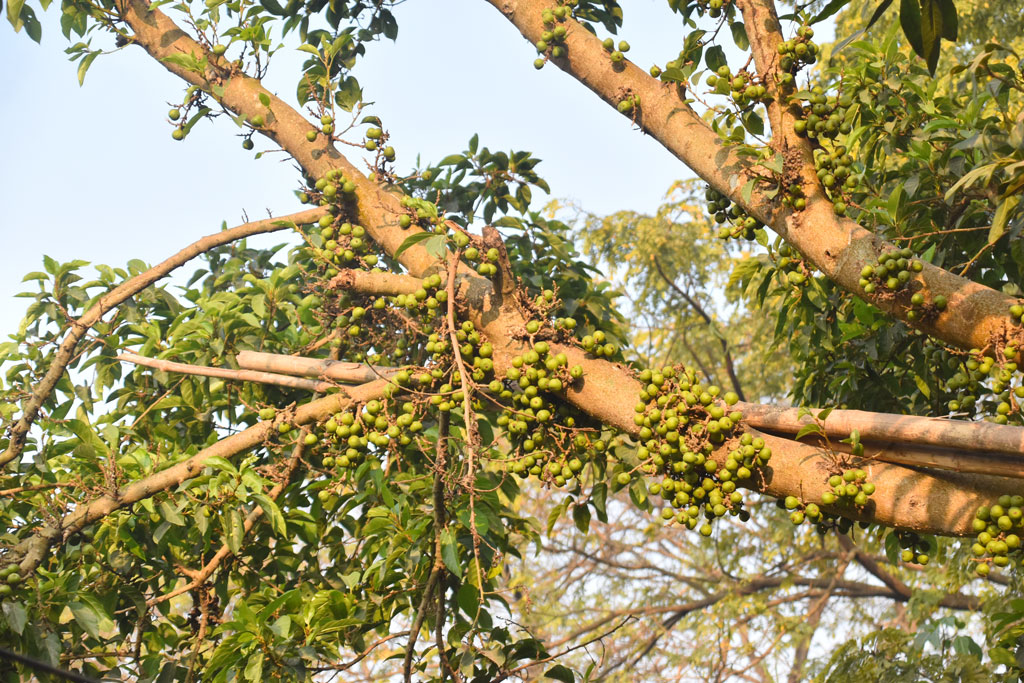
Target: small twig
[44,667]
[564,652]
[38,487]
[729,366]
[361,656]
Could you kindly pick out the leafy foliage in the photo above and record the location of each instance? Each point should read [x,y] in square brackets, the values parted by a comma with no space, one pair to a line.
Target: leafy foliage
[237,530]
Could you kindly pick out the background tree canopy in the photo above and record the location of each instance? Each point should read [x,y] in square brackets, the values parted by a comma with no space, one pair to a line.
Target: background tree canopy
[448,430]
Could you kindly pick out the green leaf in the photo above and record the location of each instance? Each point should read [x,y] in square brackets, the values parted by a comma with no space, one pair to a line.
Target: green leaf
[90,614]
[254,667]
[673,74]
[560,673]
[435,246]
[220,463]
[715,57]
[264,99]
[273,7]
[87,436]
[739,35]
[812,428]
[949,19]
[349,94]
[273,513]
[892,547]
[451,160]
[188,62]
[753,122]
[450,552]
[411,241]
[389,25]
[599,498]
[1002,217]
[86,617]
[910,20]
[556,512]
[931,32]
[581,518]
[828,10]
[170,514]
[84,65]
[638,494]
[922,386]
[199,115]
[468,598]
[14,13]
[168,674]
[879,11]
[16,616]
[235,531]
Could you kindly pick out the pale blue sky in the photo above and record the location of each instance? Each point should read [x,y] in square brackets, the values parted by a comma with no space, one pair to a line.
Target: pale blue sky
[93,173]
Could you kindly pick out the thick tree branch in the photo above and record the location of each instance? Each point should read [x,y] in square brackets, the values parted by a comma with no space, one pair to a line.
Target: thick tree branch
[377,210]
[929,501]
[905,429]
[120,294]
[976,316]
[381,284]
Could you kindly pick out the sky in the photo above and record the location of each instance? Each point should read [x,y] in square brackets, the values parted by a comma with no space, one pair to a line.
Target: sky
[92,172]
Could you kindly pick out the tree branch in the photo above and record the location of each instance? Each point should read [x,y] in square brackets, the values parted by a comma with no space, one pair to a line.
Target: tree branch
[339,371]
[885,427]
[976,316]
[120,294]
[727,355]
[200,577]
[377,210]
[226,373]
[33,550]
[368,282]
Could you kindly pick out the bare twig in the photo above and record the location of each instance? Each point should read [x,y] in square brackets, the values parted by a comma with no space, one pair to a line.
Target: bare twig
[699,310]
